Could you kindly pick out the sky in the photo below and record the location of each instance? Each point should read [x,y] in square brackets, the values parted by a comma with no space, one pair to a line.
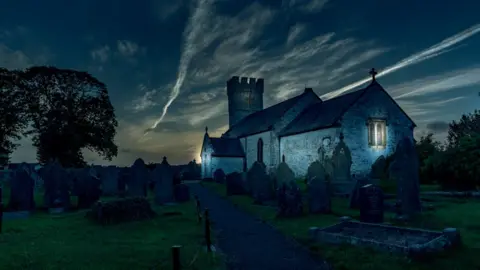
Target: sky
[166,62]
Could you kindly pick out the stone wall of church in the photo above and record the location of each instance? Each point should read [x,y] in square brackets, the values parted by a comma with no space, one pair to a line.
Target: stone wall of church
[227,164]
[301,150]
[374,104]
[305,101]
[270,148]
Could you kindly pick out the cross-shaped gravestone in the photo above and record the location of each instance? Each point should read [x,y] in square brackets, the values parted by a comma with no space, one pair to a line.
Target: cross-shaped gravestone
[373,73]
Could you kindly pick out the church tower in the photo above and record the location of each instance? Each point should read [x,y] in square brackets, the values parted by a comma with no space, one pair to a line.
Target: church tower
[245,96]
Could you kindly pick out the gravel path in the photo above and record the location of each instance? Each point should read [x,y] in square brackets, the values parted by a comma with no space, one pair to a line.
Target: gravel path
[248,243]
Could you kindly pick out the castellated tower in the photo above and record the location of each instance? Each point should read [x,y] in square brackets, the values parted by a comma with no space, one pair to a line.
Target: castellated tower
[245,96]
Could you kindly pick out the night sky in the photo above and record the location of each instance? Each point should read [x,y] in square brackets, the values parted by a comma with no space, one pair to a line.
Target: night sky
[153,53]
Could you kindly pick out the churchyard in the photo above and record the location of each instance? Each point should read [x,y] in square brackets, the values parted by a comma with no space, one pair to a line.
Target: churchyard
[379,223]
[101,218]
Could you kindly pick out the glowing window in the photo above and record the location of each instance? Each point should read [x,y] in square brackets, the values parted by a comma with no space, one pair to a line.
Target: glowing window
[377,133]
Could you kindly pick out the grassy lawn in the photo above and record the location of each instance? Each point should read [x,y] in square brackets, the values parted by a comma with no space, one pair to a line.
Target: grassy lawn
[460,213]
[70,241]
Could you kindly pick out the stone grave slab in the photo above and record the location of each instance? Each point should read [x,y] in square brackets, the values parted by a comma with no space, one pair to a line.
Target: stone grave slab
[371,204]
[408,241]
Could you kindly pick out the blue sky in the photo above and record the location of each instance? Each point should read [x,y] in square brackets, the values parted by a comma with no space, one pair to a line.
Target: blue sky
[180,52]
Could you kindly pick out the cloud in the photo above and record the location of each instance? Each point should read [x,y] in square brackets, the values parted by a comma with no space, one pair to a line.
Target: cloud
[101,54]
[167,8]
[127,48]
[13,59]
[193,31]
[440,48]
[307,6]
[437,83]
[438,126]
[146,101]
[295,33]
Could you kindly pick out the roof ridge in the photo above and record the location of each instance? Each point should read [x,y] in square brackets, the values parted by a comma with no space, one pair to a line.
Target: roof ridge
[320,101]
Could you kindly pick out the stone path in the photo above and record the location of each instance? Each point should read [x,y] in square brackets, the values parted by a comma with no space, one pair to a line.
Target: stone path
[249,243]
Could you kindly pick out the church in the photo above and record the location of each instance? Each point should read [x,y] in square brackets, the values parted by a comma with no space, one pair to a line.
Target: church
[367,120]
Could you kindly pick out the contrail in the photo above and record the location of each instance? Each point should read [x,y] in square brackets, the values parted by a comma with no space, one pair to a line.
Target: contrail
[191,33]
[435,50]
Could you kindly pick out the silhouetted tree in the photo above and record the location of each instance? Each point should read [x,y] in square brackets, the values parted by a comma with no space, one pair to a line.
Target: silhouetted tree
[468,125]
[69,110]
[13,117]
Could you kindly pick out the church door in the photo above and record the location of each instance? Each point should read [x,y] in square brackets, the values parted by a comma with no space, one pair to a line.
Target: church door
[260,150]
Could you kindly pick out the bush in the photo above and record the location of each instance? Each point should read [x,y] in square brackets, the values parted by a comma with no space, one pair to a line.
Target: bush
[120,210]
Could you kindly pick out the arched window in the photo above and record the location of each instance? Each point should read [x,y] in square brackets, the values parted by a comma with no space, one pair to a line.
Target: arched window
[260,150]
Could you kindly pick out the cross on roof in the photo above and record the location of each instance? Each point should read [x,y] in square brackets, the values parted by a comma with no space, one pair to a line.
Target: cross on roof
[373,72]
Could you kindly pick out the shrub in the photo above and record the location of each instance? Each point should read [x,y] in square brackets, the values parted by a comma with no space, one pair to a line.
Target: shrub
[120,210]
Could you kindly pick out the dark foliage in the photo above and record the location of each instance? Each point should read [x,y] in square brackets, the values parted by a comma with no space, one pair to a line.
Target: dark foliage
[121,210]
[13,116]
[70,107]
[467,126]
[192,172]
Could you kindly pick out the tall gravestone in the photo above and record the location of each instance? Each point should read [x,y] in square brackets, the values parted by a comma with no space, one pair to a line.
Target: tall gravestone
[109,179]
[371,204]
[342,162]
[163,178]
[123,176]
[319,197]
[56,184]
[21,191]
[262,188]
[87,187]
[289,199]
[378,170]
[405,169]
[138,179]
[283,174]
[354,199]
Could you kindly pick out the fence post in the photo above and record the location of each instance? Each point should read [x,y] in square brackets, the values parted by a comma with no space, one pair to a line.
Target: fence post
[199,211]
[176,257]
[208,240]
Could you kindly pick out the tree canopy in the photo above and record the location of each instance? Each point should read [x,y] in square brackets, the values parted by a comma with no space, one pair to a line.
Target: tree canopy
[68,111]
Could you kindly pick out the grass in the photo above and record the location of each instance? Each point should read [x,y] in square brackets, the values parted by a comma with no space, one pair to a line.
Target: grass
[460,213]
[70,241]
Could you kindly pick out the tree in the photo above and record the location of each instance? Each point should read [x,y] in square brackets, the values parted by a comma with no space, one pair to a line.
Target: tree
[468,125]
[13,116]
[69,110]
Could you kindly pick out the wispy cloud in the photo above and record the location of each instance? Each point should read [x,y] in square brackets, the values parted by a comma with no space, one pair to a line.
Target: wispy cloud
[192,32]
[101,54]
[146,101]
[305,5]
[295,33]
[434,51]
[127,48]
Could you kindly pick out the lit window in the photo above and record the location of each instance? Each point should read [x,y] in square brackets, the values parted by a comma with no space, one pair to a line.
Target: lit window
[377,133]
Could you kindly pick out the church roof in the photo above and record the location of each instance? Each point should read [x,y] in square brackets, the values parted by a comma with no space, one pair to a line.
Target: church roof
[263,120]
[322,114]
[227,147]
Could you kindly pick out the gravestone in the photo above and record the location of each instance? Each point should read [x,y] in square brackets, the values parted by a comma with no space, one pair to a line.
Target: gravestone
[342,162]
[21,191]
[354,199]
[57,189]
[371,204]
[319,197]
[289,198]
[405,169]
[219,176]
[262,188]
[378,170]
[109,178]
[181,193]
[273,178]
[163,183]
[284,174]
[87,188]
[123,176]
[138,179]
[235,184]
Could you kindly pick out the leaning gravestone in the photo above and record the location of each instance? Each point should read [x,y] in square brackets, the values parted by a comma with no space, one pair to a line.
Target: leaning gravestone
[371,204]
[57,189]
[319,200]
[138,179]
[262,188]
[354,199]
[342,162]
[163,183]
[284,174]
[219,176]
[87,188]
[289,198]
[405,169]
[21,191]
[378,170]
[235,184]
